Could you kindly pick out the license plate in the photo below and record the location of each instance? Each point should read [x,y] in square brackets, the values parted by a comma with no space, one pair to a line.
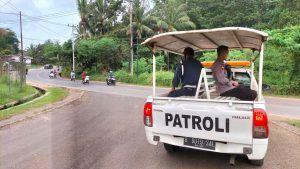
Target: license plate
[200,143]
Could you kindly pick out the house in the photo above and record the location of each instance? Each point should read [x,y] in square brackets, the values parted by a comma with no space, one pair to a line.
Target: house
[16,58]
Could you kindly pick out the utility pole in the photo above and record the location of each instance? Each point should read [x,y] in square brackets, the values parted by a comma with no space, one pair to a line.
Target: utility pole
[22,54]
[131,40]
[23,72]
[73,46]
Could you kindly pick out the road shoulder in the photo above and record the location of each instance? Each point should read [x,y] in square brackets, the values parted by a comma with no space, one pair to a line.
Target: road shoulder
[73,96]
[282,122]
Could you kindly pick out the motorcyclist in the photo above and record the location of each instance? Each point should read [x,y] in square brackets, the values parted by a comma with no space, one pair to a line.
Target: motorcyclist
[110,78]
[72,75]
[110,75]
[51,75]
[54,72]
[83,75]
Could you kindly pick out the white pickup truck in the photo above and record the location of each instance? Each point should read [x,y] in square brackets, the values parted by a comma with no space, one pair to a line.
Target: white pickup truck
[207,121]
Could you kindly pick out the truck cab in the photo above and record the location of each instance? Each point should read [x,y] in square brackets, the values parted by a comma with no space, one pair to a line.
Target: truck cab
[208,121]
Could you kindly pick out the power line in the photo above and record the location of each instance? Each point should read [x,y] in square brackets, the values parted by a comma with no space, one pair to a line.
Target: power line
[4,3]
[39,18]
[9,13]
[13,6]
[33,39]
[51,31]
[56,14]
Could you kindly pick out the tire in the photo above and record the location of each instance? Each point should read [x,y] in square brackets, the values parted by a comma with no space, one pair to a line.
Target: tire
[257,162]
[171,148]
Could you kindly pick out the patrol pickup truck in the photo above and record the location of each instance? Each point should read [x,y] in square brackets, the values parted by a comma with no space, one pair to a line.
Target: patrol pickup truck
[208,121]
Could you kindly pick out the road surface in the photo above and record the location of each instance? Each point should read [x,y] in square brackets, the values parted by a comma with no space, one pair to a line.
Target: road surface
[275,106]
[105,130]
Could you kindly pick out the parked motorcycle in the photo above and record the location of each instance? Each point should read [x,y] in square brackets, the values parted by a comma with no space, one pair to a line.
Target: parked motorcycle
[111,81]
[86,80]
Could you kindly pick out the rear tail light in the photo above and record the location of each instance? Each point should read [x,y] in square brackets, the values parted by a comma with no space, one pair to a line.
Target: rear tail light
[148,114]
[260,124]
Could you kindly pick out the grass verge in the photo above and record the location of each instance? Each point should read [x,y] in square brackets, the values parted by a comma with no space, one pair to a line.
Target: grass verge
[295,123]
[14,92]
[52,95]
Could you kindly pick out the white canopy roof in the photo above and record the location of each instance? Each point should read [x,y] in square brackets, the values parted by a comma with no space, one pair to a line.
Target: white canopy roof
[208,39]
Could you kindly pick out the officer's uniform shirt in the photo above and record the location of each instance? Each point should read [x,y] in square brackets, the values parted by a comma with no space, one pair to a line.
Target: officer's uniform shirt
[220,75]
[192,69]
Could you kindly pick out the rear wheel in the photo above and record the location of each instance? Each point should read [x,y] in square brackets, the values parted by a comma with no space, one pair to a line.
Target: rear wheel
[257,162]
[171,148]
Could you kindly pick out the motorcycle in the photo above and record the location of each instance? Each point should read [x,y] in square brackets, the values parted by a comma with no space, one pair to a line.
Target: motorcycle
[73,77]
[86,80]
[111,81]
[52,75]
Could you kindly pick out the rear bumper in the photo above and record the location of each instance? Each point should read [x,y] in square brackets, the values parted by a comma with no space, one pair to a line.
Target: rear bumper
[258,146]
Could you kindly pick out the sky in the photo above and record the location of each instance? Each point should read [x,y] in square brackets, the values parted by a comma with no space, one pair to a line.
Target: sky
[41,19]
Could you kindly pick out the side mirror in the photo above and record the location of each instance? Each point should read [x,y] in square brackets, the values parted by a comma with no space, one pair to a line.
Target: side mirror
[266,87]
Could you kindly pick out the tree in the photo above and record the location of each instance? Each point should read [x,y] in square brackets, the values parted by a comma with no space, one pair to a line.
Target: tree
[108,53]
[67,52]
[171,16]
[98,17]
[141,20]
[52,52]
[83,8]
[86,57]
[285,13]
[8,42]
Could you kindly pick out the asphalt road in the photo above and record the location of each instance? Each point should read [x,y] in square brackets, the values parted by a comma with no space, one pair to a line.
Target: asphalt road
[105,130]
[275,106]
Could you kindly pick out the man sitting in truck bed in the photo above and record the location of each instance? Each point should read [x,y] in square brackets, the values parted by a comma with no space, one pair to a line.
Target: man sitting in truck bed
[225,86]
[188,73]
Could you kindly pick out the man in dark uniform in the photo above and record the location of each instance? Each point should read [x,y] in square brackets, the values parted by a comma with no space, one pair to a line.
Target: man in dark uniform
[188,73]
[225,86]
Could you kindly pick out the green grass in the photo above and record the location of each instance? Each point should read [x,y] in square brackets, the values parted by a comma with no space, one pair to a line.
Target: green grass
[52,95]
[14,92]
[295,123]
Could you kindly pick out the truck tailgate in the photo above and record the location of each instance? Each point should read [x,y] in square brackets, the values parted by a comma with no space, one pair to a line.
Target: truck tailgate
[212,120]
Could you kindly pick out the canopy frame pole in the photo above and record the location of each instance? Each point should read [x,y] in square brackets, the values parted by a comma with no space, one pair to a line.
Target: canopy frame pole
[176,37]
[208,38]
[236,39]
[154,70]
[261,60]
[252,72]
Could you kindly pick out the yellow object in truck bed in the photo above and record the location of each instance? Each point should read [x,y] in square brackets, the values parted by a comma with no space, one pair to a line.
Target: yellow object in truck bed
[208,64]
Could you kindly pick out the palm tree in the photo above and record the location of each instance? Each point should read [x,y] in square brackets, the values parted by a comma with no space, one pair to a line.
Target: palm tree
[141,21]
[83,8]
[101,16]
[171,16]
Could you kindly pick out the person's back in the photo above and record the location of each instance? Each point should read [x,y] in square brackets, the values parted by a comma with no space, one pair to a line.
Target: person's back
[187,73]
[191,73]
[83,74]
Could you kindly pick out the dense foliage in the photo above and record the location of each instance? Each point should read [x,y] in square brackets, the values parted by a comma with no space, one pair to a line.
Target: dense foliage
[282,60]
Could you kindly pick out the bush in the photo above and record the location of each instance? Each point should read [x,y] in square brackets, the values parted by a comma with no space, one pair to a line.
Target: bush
[163,78]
